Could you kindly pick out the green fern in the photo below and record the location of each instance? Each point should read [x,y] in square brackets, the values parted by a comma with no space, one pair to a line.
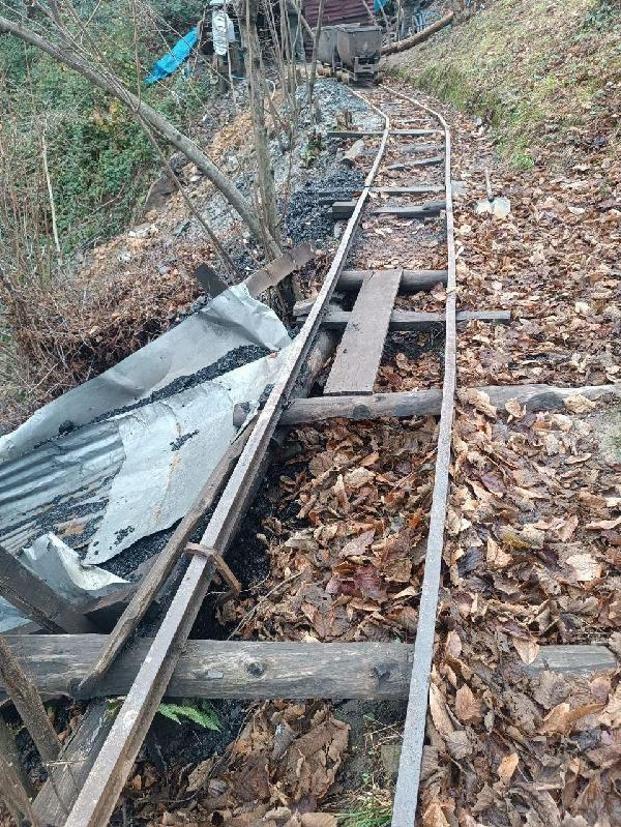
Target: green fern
[207,718]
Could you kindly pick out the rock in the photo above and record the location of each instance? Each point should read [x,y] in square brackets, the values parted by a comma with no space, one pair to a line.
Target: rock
[159,193]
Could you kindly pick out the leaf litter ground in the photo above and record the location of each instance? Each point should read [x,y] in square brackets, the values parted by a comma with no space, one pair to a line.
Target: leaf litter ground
[533,539]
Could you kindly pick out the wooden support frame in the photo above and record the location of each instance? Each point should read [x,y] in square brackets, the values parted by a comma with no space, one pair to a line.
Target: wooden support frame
[255,670]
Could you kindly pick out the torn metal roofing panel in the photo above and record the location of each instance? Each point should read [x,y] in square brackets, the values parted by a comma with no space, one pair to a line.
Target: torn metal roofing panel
[105,484]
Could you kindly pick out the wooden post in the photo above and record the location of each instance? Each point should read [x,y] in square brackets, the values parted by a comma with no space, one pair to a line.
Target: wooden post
[9,750]
[28,703]
[14,793]
[37,600]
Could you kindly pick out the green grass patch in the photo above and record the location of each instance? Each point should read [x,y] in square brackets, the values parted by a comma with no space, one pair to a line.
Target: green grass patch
[522,65]
[371,815]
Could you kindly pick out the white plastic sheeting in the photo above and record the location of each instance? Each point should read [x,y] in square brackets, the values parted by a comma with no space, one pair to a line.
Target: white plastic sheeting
[102,486]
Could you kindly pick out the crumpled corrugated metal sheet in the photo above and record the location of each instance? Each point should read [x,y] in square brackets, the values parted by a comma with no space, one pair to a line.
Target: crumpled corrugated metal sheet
[106,484]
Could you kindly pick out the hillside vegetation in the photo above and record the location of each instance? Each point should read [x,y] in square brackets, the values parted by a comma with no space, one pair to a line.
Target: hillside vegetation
[531,68]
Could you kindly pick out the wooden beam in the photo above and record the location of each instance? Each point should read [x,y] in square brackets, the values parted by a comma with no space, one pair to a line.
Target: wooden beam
[274,272]
[354,133]
[411,320]
[56,797]
[318,408]
[412,281]
[417,189]
[377,133]
[224,669]
[574,660]
[343,209]
[28,703]
[34,598]
[420,162]
[413,132]
[429,402]
[411,210]
[359,352]
[252,670]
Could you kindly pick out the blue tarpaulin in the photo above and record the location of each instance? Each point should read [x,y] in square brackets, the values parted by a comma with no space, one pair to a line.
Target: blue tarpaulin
[169,64]
[379,5]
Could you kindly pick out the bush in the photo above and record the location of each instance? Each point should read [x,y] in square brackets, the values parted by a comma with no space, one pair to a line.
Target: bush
[99,158]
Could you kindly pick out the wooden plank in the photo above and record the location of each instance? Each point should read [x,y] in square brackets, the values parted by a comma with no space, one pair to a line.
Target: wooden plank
[413,320]
[34,598]
[57,796]
[352,133]
[342,210]
[318,408]
[431,208]
[28,703]
[406,792]
[359,352]
[417,189]
[429,402]
[252,670]
[273,273]
[412,132]
[412,281]
[225,669]
[420,162]
[100,791]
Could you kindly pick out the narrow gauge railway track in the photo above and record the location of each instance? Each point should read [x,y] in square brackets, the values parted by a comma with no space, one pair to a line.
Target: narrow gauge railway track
[415,147]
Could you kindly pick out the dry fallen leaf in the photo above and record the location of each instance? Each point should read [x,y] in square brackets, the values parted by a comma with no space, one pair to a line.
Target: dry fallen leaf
[507,767]
[467,707]
[526,649]
[579,404]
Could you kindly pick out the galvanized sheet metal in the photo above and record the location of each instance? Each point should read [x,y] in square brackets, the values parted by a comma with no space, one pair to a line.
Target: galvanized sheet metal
[107,483]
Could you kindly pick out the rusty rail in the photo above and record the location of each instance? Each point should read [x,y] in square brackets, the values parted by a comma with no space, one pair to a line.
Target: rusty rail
[97,799]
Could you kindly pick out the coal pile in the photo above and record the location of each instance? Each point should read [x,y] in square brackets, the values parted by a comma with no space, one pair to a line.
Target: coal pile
[309,214]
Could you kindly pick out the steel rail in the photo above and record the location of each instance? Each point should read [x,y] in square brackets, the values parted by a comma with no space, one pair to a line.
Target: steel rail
[100,792]
[408,779]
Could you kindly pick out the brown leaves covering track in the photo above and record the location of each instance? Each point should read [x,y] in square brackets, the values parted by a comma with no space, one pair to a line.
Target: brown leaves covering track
[347,567]
[275,773]
[533,559]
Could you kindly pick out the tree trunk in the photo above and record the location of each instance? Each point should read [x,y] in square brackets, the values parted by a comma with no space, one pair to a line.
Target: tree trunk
[313,69]
[267,188]
[113,85]
[419,37]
